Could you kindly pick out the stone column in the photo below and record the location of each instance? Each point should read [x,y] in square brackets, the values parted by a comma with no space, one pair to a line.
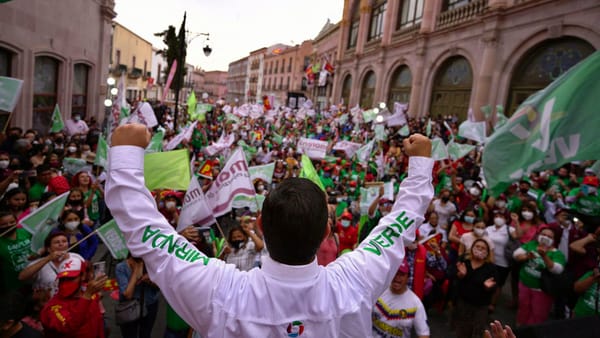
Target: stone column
[431,9]
[484,78]
[416,106]
[363,26]
[391,12]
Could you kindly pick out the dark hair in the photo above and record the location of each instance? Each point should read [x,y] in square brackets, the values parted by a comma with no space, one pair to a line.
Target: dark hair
[53,234]
[4,213]
[66,213]
[233,229]
[10,194]
[294,221]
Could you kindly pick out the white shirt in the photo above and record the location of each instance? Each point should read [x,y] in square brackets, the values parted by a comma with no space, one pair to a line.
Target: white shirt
[395,315]
[76,127]
[279,299]
[444,212]
[45,278]
[245,257]
[426,228]
[499,236]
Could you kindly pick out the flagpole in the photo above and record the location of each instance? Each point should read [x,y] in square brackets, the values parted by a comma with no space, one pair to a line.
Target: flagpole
[81,240]
[9,230]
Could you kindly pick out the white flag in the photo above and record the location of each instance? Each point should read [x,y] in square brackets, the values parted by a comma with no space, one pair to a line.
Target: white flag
[195,208]
[438,149]
[348,147]
[313,148]
[224,142]
[263,172]
[184,135]
[233,180]
[473,131]
[364,153]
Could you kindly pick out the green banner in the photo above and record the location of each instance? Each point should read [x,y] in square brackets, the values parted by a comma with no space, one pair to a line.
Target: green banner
[556,125]
[167,170]
[114,240]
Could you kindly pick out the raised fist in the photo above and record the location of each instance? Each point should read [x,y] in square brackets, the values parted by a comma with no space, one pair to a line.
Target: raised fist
[417,145]
[131,135]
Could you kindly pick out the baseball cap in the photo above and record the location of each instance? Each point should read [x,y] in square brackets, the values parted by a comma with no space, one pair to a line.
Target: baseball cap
[590,171]
[590,180]
[404,268]
[71,267]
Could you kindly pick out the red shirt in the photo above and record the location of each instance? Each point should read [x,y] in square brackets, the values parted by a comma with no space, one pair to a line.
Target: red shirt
[72,317]
[327,252]
[348,237]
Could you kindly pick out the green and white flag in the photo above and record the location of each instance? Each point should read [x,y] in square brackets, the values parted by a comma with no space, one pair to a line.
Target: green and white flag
[101,153]
[487,111]
[380,134]
[113,238]
[233,118]
[10,90]
[191,103]
[74,165]
[369,115]
[57,121]
[253,203]
[367,196]
[277,138]
[428,128]
[473,131]
[308,171]
[41,221]
[364,153]
[404,131]
[156,143]
[249,151]
[554,126]
[263,172]
[501,119]
[457,150]
[438,149]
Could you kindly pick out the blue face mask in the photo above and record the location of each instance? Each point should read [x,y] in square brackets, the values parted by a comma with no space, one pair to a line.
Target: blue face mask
[345,223]
[469,219]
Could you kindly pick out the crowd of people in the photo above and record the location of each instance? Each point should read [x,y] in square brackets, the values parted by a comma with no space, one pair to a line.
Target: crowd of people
[540,236]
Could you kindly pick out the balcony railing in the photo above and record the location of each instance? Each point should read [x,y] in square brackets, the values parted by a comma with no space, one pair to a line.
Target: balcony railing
[119,69]
[135,73]
[461,14]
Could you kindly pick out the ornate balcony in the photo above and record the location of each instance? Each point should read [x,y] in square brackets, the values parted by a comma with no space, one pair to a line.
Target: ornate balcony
[461,14]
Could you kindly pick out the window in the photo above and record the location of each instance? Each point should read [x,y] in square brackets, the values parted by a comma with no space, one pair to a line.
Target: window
[80,88]
[276,66]
[542,65]
[290,66]
[367,91]
[346,88]
[281,83]
[282,66]
[451,4]
[400,84]
[452,88]
[117,57]
[145,67]
[5,62]
[159,74]
[133,62]
[411,13]
[377,17]
[287,86]
[353,34]
[45,85]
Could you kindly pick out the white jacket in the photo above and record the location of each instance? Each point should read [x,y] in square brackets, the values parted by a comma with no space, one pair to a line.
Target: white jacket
[278,300]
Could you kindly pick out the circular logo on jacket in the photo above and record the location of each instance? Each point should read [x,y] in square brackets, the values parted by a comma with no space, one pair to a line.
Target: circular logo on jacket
[295,328]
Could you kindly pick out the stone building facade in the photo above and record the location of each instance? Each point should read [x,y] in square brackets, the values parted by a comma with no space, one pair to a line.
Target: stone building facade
[236,80]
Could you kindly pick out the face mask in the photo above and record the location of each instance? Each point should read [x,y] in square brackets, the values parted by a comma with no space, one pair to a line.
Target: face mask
[76,117]
[48,141]
[237,244]
[59,140]
[4,164]
[479,232]
[501,204]
[170,205]
[71,225]
[260,188]
[445,199]
[474,191]
[75,202]
[469,219]
[523,190]
[545,240]
[72,149]
[480,254]
[527,215]
[345,223]
[499,221]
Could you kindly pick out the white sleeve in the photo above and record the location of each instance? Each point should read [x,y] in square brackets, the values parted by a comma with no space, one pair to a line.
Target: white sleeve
[369,269]
[518,252]
[182,272]
[421,327]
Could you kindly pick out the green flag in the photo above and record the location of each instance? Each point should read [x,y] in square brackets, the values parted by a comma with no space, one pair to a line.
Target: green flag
[113,238]
[428,128]
[438,149]
[191,103]
[487,111]
[404,131]
[369,115]
[554,126]
[231,117]
[74,165]
[57,121]
[156,143]
[167,170]
[380,134]
[500,117]
[457,150]
[249,151]
[40,222]
[308,171]
[101,153]
[10,90]
[277,138]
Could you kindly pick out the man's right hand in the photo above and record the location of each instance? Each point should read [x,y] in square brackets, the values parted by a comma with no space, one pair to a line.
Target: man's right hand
[131,135]
[417,145]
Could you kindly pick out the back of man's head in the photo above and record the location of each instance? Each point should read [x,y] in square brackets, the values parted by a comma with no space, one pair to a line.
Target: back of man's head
[294,220]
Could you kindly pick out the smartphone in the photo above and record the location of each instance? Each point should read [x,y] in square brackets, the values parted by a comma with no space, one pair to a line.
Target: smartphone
[99,269]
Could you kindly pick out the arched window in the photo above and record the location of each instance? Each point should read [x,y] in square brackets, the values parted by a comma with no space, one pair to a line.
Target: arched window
[544,63]
[5,62]
[44,91]
[346,90]
[452,88]
[367,91]
[400,83]
[80,89]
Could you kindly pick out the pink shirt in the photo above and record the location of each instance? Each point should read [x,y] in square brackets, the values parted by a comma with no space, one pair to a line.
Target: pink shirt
[327,252]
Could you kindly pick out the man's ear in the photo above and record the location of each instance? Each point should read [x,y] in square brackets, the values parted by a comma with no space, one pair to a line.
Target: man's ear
[327,232]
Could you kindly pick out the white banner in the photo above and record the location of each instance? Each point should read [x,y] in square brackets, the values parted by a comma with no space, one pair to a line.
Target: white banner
[195,208]
[313,148]
[263,172]
[233,180]
[184,135]
[224,142]
[348,147]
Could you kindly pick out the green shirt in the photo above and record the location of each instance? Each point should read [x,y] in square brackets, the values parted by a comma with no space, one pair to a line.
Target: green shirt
[531,271]
[93,210]
[36,191]
[553,182]
[327,182]
[14,256]
[587,205]
[586,304]
[514,204]
[174,322]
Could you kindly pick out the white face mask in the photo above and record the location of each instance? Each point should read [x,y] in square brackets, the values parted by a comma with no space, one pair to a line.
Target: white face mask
[170,205]
[499,221]
[479,232]
[481,254]
[72,149]
[71,225]
[500,204]
[469,219]
[545,240]
[345,223]
[474,191]
[527,215]
[4,164]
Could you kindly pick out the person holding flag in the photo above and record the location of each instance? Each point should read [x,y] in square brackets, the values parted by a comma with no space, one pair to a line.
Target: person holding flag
[290,293]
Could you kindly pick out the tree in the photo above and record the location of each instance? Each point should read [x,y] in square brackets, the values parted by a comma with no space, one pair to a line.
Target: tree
[171,53]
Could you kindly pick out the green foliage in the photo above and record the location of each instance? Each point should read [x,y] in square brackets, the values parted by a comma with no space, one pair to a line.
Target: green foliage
[174,51]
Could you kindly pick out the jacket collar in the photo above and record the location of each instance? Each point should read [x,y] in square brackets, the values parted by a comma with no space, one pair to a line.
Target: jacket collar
[285,272]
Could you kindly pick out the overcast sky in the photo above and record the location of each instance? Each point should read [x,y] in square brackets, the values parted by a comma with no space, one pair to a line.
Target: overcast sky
[236,27]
